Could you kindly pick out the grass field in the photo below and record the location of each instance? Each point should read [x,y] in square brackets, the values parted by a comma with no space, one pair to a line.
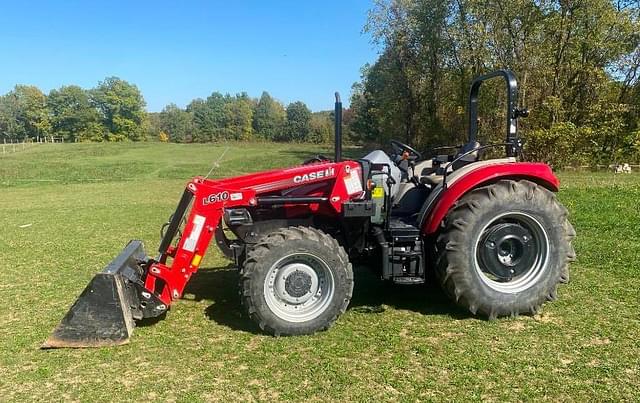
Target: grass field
[84,202]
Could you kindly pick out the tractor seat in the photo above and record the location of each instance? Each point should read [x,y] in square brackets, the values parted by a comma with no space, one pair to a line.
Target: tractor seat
[467,159]
[432,176]
[431,180]
[427,174]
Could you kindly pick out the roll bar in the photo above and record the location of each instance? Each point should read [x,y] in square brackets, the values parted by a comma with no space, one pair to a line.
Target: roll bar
[514,144]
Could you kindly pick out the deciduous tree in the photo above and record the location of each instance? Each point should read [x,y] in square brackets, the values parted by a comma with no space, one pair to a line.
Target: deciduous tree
[73,116]
[269,117]
[298,122]
[177,124]
[239,117]
[576,61]
[24,114]
[122,108]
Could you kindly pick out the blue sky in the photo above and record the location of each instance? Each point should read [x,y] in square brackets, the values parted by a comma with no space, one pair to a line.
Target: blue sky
[175,51]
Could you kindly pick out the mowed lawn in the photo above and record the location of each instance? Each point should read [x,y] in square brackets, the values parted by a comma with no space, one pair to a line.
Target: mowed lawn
[67,210]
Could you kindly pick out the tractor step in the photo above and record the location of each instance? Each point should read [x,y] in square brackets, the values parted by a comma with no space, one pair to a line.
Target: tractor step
[403,230]
[408,280]
[403,256]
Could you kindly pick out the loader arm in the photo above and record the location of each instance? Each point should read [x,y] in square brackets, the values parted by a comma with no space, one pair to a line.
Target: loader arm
[209,199]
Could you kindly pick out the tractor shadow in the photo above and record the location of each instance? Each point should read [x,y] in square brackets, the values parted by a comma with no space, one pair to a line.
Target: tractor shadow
[220,285]
[370,296]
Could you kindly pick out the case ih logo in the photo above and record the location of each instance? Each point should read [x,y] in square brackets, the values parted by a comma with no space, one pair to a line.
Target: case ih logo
[325,173]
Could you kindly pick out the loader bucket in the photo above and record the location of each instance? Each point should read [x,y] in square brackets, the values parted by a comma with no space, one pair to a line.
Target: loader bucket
[103,315]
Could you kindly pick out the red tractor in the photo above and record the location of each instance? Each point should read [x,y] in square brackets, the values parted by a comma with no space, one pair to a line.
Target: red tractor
[492,230]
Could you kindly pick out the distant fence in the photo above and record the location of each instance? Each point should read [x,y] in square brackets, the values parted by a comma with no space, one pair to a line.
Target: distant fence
[11,145]
[48,139]
[610,167]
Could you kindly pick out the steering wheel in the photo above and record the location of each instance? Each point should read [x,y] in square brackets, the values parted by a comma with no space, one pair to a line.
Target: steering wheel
[399,148]
[316,159]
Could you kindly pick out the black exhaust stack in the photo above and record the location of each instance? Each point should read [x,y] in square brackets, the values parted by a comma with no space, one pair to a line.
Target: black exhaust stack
[338,129]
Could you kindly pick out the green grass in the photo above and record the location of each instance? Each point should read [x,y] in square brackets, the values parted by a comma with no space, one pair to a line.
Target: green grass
[84,202]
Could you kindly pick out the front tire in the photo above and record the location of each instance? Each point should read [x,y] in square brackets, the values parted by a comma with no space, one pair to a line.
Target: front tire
[504,249]
[296,281]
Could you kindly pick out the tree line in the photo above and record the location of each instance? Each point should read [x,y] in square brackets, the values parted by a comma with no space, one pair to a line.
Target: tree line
[240,117]
[112,111]
[115,111]
[577,63]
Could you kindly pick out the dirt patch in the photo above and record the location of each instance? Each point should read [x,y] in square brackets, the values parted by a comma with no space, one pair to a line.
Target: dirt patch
[598,342]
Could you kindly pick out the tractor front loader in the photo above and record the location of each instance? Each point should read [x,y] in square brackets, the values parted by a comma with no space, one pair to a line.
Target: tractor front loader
[492,230]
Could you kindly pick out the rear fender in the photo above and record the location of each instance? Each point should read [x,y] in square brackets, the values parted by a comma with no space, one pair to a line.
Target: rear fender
[484,175]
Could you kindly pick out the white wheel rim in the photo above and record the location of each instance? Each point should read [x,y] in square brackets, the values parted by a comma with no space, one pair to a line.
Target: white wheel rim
[299,287]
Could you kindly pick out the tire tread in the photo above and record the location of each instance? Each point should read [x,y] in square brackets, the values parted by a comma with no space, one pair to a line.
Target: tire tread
[259,251]
[451,249]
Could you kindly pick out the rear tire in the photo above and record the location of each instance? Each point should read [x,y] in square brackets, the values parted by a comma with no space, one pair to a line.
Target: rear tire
[504,249]
[296,281]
